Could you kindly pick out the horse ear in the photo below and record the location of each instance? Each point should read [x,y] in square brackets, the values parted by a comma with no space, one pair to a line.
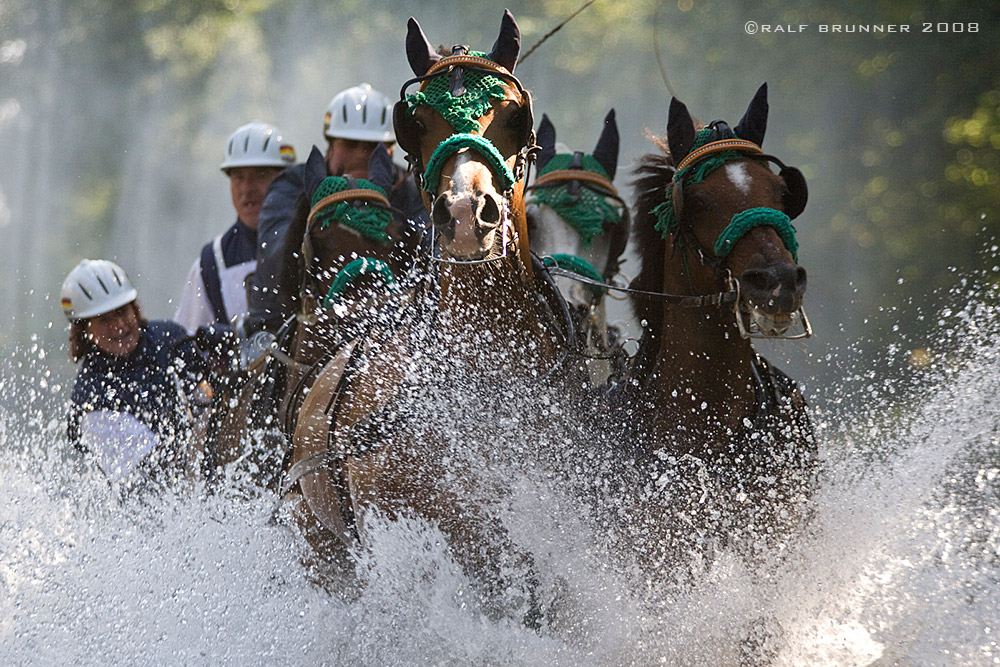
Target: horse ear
[315,171]
[606,151]
[753,125]
[547,142]
[508,45]
[380,168]
[681,134]
[419,52]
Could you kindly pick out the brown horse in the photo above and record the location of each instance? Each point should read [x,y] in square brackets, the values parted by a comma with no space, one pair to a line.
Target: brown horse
[580,226]
[347,251]
[723,432]
[401,422]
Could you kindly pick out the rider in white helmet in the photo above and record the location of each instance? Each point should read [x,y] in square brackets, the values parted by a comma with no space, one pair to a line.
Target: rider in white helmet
[216,291]
[131,402]
[356,121]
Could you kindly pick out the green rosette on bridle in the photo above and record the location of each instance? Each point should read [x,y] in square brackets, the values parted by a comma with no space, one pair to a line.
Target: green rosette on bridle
[370,220]
[741,223]
[588,211]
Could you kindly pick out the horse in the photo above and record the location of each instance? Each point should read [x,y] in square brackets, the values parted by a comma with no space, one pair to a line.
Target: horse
[723,434]
[346,252]
[580,226]
[375,433]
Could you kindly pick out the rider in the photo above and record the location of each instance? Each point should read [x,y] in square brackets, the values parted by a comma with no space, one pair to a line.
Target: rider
[215,291]
[139,384]
[357,120]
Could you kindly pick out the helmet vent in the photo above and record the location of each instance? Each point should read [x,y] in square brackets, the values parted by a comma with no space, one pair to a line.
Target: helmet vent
[246,143]
[103,286]
[364,114]
[266,142]
[84,290]
[117,278]
[230,151]
[384,112]
[343,110]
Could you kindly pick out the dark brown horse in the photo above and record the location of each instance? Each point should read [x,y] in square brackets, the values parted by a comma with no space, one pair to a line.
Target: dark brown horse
[351,251]
[724,433]
[376,435]
[347,251]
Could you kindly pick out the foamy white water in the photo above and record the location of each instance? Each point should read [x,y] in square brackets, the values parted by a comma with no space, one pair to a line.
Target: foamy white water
[902,566]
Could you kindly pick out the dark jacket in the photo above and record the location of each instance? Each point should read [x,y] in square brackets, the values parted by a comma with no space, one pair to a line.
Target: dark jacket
[144,384]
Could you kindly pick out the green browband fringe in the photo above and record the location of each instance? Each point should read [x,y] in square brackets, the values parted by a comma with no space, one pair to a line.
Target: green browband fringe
[370,221]
[455,143]
[591,212]
[696,173]
[350,273]
[463,111]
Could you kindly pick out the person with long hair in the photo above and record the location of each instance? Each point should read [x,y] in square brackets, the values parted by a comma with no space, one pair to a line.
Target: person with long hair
[139,381]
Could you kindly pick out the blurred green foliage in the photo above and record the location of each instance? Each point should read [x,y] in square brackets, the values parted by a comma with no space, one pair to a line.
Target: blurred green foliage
[898,133]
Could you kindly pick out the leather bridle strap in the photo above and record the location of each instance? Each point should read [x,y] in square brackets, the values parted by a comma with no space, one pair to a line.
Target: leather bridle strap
[684,300]
[562,175]
[466,61]
[741,145]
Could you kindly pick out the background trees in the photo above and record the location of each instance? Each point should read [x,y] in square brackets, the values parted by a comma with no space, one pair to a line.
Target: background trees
[113,115]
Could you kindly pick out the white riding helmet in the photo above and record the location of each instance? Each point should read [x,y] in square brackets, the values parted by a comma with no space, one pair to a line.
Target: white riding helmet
[257,144]
[95,287]
[360,113]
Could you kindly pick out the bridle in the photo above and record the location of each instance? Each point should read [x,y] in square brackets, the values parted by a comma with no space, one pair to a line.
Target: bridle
[427,176]
[684,237]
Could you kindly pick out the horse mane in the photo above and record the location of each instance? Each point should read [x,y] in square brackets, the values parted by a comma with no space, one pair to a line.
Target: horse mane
[654,173]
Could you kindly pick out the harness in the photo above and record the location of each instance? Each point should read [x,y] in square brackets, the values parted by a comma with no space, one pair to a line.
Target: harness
[466,94]
[715,146]
[780,409]
[577,188]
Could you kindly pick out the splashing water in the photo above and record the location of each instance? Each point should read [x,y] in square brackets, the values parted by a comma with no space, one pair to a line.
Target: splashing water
[900,566]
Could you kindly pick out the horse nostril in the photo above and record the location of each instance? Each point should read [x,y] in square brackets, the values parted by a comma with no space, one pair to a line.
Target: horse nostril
[800,280]
[489,212]
[440,213]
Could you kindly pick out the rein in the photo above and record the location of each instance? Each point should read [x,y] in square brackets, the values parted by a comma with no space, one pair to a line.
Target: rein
[730,296]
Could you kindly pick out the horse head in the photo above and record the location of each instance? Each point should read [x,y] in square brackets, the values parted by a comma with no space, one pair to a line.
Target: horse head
[353,243]
[467,131]
[732,214]
[576,218]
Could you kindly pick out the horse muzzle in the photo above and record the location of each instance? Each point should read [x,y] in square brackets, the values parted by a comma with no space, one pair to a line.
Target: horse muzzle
[771,302]
[468,224]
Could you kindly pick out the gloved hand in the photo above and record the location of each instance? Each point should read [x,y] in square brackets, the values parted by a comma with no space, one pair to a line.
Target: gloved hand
[220,344]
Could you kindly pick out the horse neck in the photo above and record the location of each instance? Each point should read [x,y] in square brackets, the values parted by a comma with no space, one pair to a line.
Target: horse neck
[701,361]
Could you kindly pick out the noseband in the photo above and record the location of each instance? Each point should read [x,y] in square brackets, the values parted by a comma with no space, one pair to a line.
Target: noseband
[694,167]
